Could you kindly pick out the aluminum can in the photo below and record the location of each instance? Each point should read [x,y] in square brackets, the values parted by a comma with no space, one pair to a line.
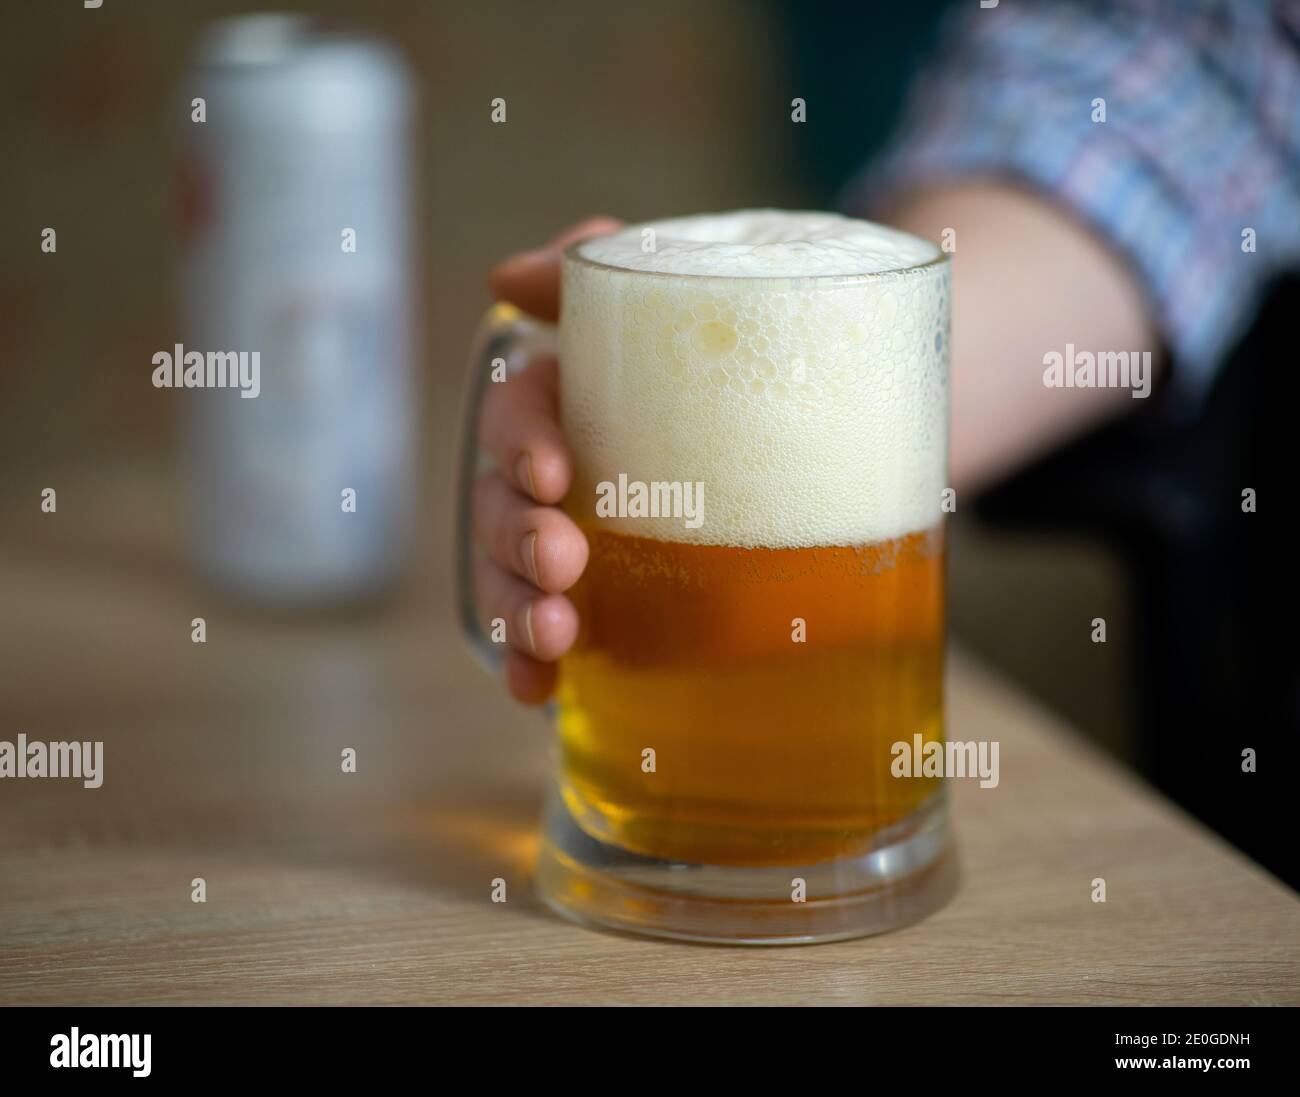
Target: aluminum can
[293,213]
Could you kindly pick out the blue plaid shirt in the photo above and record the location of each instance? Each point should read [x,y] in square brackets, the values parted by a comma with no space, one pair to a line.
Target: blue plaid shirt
[1201,141]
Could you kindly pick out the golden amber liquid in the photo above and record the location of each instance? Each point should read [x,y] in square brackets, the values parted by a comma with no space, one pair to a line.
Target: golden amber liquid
[768,751]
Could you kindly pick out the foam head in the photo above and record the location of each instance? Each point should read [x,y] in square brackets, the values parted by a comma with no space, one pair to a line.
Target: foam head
[795,364]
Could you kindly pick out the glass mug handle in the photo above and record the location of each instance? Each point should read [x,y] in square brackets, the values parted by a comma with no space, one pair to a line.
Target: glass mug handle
[506,341]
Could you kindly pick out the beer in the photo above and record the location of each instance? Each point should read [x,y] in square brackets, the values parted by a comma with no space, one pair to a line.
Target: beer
[768,751]
[757,409]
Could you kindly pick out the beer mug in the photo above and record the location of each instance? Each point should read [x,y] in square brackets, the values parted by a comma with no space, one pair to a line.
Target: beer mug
[757,409]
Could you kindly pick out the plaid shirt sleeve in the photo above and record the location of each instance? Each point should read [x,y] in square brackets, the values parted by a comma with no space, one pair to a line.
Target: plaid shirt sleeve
[1201,142]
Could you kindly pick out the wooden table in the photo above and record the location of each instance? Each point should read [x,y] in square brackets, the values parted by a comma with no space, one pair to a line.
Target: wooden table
[222,761]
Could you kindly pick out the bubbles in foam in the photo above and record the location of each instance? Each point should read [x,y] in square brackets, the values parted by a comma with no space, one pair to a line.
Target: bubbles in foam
[813,409]
[762,244]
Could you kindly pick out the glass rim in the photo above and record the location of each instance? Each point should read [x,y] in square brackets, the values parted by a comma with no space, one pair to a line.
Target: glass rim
[572,254]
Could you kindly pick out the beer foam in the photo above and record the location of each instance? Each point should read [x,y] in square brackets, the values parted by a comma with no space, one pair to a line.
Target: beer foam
[761,244]
[812,405]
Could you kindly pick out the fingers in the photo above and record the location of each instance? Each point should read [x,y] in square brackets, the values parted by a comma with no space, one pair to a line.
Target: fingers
[530,280]
[537,543]
[539,628]
[528,680]
[534,551]
[520,429]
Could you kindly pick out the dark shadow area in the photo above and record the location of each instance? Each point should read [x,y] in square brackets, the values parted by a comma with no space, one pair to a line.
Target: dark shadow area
[1211,591]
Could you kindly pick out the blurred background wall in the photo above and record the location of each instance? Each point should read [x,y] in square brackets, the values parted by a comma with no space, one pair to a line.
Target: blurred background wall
[627,109]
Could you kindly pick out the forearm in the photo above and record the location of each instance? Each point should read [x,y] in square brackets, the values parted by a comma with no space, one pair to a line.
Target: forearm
[1027,280]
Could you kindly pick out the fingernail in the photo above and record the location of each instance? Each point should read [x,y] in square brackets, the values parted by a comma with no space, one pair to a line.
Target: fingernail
[528,550]
[524,473]
[528,628]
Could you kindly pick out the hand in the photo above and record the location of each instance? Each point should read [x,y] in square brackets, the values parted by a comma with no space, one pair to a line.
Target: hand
[534,551]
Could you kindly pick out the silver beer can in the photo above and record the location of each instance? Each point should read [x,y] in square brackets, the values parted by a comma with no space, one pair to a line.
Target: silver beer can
[294,219]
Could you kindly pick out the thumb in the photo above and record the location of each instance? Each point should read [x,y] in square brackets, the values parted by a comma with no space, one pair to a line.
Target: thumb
[530,280]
